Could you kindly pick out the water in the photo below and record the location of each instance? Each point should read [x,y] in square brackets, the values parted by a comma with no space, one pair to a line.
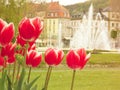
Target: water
[92,33]
[60,36]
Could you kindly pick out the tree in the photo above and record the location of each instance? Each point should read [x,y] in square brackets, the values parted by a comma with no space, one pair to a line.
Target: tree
[114,34]
[12,11]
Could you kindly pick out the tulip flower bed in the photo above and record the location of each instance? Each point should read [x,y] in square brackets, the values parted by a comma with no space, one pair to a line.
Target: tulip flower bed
[21,55]
[19,59]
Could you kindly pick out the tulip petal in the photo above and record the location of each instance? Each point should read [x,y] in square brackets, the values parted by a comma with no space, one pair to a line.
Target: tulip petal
[60,57]
[51,56]
[2,24]
[31,54]
[82,53]
[38,26]
[8,50]
[83,63]
[26,29]
[88,57]
[11,60]
[7,34]
[20,41]
[32,47]
[73,59]
[37,59]
[33,59]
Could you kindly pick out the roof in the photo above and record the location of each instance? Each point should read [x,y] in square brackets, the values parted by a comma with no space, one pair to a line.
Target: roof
[56,10]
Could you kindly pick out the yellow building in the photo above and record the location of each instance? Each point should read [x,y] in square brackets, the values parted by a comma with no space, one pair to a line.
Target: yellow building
[55,18]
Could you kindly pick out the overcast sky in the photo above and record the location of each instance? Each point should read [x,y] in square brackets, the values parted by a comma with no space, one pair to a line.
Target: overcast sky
[68,2]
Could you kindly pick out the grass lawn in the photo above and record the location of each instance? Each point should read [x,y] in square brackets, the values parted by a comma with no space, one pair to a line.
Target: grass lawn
[95,78]
[87,79]
[106,58]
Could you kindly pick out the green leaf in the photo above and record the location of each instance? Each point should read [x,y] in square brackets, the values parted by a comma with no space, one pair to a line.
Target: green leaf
[28,86]
[21,80]
[43,88]
[32,82]
[34,88]
[3,80]
[9,83]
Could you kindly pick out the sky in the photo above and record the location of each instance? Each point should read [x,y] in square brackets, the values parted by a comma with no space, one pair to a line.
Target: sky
[67,2]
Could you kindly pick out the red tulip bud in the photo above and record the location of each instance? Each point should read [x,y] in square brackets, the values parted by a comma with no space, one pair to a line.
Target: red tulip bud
[30,29]
[53,56]
[73,59]
[77,59]
[33,59]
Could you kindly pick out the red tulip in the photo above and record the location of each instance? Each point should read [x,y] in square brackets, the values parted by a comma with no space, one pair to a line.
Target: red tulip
[11,60]
[33,59]
[77,59]
[53,56]
[32,47]
[8,50]
[83,57]
[6,34]
[30,29]
[20,41]
[38,26]
[73,59]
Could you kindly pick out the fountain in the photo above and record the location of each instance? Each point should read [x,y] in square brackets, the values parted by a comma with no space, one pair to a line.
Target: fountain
[92,33]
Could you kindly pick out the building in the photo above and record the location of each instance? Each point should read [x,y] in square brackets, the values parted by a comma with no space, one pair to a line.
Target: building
[113,24]
[55,20]
[59,26]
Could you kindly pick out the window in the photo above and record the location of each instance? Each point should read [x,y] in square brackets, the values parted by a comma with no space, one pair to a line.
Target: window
[113,24]
[113,16]
[65,14]
[53,22]
[48,14]
[117,16]
[117,24]
[52,14]
[68,15]
[56,14]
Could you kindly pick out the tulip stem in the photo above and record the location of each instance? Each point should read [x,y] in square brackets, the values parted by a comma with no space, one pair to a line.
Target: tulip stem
[2,71]
[47,77]
[73,78]
[14,71]
[29,74]
[18,71]
[9,70]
